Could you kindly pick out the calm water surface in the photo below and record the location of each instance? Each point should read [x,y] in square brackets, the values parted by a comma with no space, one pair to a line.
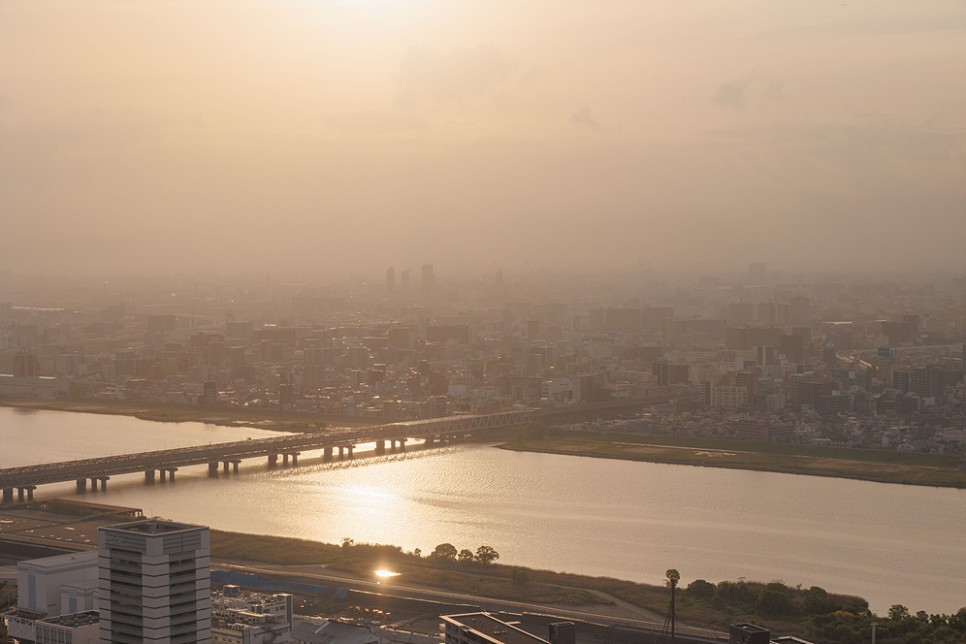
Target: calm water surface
[888,543]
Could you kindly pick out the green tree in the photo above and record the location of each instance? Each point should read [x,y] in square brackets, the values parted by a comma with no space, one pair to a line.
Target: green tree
[701,588]
[773,601]
[465,556]
[486,555]
[816,601]
[672,577]
[898,612]
[417,552]
[445,552]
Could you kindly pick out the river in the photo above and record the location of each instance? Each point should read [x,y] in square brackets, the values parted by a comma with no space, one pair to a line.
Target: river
[888,543]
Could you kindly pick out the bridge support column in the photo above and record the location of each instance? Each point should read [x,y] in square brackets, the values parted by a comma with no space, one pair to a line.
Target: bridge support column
[234,465]
[430,440]
[224,466]
[213,468]
[163,475]
[149,476]
[94,484]
[30,492]
[350,448]
[285,460]
[104,479]
[8,495]
[341,451]
[81,486]
[273,460]
[327,453]
[402,444]
[171,471]
[295,459]
[381,446]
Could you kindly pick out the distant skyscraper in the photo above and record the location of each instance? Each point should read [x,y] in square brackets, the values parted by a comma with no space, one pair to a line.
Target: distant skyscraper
[799,310]
[429,277]
[757,271]
[391,279]
[154,583]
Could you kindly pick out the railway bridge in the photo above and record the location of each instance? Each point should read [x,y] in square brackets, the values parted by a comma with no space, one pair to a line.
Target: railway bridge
[163,464]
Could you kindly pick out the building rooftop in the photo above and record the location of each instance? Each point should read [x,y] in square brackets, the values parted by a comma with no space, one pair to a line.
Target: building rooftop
[152,526]
[72,620]
[330,632]
[57,562]
[492,629]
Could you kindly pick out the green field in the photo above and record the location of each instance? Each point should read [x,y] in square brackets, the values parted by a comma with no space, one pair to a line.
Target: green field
[869,465]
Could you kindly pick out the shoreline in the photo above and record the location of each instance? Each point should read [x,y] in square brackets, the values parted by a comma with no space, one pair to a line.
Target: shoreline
[63,523]
[223,417]
[924,470]
[712,455]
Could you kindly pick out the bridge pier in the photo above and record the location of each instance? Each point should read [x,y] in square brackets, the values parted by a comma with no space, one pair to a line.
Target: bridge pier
[295,459]
[103,480]
[350,448]
[381,446]
[285,460]
[8,495]
[429,440]
[163,475]
[171,471]
[81,486]
[234,466]
[93,484]
[213,469]
[402,444]
[149,476]
[327,453]
[224,466]
[30,492]
[273,460]
[341,451]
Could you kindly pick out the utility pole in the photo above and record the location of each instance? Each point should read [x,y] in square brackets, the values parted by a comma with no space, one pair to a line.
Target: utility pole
[672,576]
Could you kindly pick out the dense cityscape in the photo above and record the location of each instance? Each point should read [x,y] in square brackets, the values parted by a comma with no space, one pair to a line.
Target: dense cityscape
[754,357]
[869,364]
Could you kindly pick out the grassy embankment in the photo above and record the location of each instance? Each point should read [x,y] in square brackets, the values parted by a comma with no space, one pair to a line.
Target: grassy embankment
[739,601]
[869,465]
[231,417]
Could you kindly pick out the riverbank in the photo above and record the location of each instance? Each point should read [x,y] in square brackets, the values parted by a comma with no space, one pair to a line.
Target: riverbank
[226,417]
[867,465]
[811,612]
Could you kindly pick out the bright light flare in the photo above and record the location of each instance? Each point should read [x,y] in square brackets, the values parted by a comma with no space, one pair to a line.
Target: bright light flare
[385,574]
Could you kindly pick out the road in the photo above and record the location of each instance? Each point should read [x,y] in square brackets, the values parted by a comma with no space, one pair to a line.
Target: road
[643,618]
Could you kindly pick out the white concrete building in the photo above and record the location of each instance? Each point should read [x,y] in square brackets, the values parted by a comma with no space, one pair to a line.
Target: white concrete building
[155,583]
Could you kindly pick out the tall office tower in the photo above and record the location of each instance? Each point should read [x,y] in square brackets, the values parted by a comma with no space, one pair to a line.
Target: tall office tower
[429,277]
[154,583]
[799,310]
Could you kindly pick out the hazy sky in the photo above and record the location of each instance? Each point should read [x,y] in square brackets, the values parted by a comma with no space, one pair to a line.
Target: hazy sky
[357,134]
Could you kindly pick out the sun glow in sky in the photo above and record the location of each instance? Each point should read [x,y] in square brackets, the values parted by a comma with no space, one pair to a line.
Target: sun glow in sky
[324,134]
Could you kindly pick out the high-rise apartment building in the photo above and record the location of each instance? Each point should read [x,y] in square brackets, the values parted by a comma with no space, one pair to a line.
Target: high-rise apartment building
[154,583]
[429,277]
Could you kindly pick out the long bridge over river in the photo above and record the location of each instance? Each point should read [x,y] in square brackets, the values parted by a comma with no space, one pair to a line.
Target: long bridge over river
[163,464]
